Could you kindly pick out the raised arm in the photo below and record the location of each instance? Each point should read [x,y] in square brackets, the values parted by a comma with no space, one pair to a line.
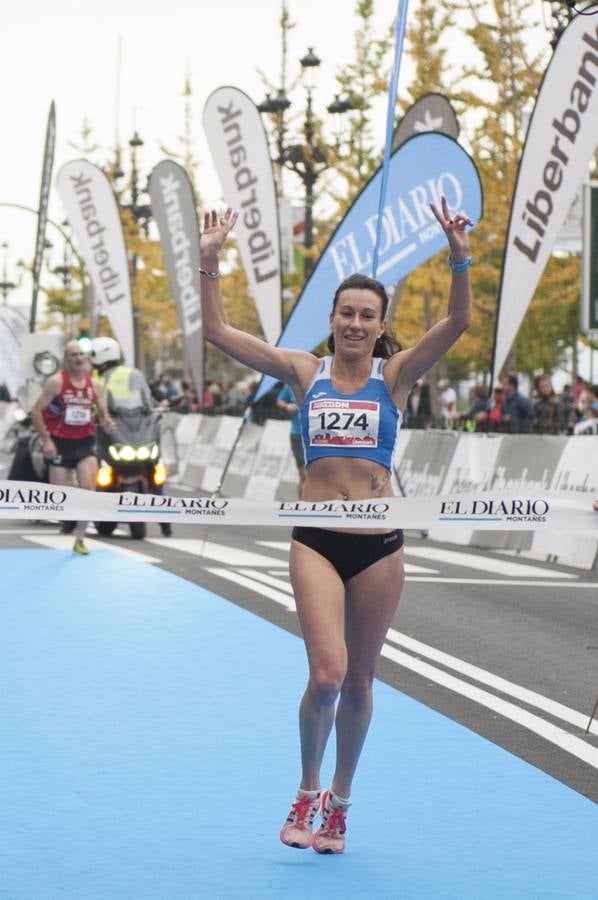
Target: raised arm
[404,369]
[290,366]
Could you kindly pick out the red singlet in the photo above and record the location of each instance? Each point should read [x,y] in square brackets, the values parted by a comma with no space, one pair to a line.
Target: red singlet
[70,414]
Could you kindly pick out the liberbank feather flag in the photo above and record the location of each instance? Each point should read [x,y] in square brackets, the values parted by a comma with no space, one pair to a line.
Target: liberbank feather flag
[173,205]
[561,139]
[240,153]
[420,172]
[92,211]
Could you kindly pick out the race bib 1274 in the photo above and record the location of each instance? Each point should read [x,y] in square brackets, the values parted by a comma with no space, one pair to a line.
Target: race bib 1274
[344,423]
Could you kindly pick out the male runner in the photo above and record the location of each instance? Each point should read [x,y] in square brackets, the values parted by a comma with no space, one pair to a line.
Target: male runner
[64,415]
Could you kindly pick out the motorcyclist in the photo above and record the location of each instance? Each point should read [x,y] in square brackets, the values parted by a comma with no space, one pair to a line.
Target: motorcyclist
[125,387]
[128,397]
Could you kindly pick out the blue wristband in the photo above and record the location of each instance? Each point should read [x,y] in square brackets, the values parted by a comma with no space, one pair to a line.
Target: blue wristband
[460,266]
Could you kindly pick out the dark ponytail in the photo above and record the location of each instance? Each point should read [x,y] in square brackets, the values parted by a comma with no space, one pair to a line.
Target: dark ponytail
[386,345]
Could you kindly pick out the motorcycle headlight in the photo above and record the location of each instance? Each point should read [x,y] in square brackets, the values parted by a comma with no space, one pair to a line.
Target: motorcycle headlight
[159,474]
[155,451]
[104,476]
[113,451]
[127,453]
[143,453]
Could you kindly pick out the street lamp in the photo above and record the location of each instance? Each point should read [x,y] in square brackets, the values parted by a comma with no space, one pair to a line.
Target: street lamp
[306,159]
[6,286]
[142,214]
[562,11]
[64,271]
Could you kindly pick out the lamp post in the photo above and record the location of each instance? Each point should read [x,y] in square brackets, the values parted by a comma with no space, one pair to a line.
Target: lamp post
[6,286]
[306,159]
[561,12]
[142,214]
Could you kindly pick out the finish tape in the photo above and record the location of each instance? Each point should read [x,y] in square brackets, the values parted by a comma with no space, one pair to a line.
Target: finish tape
[552,511]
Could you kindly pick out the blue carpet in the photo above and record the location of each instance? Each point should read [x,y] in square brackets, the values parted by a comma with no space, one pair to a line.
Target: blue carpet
[148,751]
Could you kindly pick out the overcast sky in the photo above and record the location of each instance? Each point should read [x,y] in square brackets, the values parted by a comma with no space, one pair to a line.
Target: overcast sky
[67,51]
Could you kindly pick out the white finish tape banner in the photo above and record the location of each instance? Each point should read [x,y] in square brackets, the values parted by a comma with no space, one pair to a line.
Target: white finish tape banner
[561,511]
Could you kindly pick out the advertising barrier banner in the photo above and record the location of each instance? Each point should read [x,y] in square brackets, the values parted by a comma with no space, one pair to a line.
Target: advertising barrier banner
[560,142]
[241,156]
[552,511]
[173,207]
[423,169]
[93,213]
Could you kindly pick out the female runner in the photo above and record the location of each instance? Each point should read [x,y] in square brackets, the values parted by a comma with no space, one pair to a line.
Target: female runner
[347,584]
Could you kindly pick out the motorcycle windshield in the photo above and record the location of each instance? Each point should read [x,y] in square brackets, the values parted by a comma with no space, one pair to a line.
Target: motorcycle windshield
[135,427]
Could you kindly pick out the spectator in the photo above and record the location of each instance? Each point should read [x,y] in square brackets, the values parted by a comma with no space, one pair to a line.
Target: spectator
[418,412]
[447,404]
[234,399]
[489,420]
[287,402]
[480,407]
[4,394]
[517,413]
[588,424]
[548,409]
[580,385]
[216,392]
[207,402]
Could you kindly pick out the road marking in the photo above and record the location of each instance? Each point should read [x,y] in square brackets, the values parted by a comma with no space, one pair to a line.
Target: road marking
[267,579]
[285,546]
[467,560]
[232,556]
[504,582]
[65,542]
[26,532]
[552,733]
[256,586]
[485,563]
[409,567]
[531,698]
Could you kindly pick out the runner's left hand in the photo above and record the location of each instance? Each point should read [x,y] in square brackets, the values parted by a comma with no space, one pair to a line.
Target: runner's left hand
[454,228]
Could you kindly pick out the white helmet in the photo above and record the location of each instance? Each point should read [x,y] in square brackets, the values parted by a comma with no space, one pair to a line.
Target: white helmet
[104,350]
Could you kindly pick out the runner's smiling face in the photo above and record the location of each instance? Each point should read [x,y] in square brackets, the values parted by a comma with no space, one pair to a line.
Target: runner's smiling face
[356,321]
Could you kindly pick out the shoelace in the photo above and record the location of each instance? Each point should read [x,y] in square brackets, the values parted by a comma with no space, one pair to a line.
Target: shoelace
[303,808]
[335,821]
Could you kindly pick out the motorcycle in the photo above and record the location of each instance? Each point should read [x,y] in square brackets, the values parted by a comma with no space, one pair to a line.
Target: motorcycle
[23,441]
[130,461]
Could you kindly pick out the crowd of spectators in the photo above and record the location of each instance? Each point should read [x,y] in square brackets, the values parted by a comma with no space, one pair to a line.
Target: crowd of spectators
[219,397]
[508,410]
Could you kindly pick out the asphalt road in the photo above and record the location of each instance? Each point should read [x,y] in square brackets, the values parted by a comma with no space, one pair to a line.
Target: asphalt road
[506,646]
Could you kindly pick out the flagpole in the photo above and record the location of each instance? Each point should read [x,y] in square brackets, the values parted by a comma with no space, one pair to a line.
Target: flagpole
[400,25]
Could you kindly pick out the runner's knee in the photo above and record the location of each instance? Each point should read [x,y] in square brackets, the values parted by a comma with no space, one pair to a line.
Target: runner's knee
[325,683]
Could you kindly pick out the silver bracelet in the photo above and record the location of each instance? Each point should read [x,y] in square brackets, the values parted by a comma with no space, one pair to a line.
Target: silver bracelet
[209,274]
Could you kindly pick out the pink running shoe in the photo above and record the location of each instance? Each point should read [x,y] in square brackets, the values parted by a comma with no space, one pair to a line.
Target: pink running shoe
[330,836]
[297,830]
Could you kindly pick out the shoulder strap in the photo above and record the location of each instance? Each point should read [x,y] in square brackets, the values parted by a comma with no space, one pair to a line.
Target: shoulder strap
[377,368]
[323,371]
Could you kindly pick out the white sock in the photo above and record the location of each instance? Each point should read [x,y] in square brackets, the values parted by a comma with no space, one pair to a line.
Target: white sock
[313,795]
[338,802]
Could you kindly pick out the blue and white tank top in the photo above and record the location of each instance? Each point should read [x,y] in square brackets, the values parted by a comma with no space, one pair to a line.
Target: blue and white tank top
[363,425]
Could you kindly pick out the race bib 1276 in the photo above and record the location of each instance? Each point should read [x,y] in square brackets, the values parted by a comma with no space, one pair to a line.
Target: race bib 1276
[344,423]
[77,415]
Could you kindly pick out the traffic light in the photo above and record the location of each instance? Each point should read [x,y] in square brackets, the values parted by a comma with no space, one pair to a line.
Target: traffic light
[84,341]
